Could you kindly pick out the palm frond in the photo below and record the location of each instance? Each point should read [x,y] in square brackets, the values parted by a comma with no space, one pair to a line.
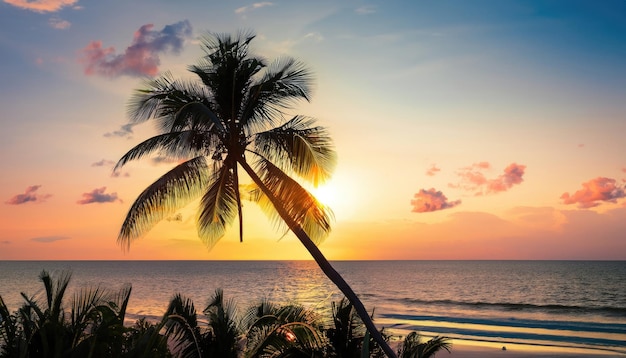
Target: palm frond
[84,301]
[173,190]
[162,98]
[173,144]
[181,325]
[275,330]
[300,146]
[55,292]
[314,217]
[197,115]
[218,206]
[284,82]
[227,70]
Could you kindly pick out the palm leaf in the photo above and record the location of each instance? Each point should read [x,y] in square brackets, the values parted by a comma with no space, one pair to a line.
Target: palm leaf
[162,98]
[173,190]
[182,329]
[284,82]
[218,206]
[173,144]
[300,146]
[314,217]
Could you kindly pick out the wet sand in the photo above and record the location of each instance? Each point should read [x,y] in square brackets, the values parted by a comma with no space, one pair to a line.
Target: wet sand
[493,350]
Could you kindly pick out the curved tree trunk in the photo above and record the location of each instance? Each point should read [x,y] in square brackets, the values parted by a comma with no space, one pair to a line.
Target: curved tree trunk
[322,262]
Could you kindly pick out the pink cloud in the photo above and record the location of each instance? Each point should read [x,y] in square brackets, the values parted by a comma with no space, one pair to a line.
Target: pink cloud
[98,196]
[41,5]
[594,192]
[433,170]
[473,178]
[431,200]
[30,195]
[141,58]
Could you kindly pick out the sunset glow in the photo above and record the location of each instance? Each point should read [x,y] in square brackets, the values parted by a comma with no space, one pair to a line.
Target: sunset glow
[466,131]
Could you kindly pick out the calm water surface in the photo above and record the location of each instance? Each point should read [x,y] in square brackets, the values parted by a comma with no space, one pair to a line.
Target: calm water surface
[560,303]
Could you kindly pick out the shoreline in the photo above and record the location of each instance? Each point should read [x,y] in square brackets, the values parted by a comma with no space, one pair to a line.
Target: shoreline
[475,349]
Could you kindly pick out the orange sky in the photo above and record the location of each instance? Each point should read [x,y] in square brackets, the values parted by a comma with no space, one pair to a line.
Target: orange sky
[461,134]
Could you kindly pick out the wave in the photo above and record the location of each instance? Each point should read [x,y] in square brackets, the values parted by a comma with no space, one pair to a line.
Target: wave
[608,311]
[593,335]
[576,326]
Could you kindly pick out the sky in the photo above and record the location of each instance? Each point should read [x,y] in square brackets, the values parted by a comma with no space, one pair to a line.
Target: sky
[464,129]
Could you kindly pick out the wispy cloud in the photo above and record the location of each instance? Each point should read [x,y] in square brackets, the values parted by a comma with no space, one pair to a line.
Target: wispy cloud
[594,192]
[30,195]
[431,200]
[473,178]
[5,242]
[364,10]
[47,239]
[244,9]
[141,58]
[163,160]
[98,196]
[433,170]
[59,24]
[103,163]
[110,164]
[125,131]
[41,5]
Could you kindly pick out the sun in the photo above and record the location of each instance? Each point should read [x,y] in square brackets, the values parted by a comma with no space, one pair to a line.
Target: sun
[337,194]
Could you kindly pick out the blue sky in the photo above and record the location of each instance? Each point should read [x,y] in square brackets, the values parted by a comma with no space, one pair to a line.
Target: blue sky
[449,117]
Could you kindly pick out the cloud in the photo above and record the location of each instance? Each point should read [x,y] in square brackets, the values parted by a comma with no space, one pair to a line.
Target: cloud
[367,9]
[594,192]
[141,58]
[30,195]
[5,242]
[432,171]
[59,24]
[103,163]
[431,200]
[125,131]
[47,239]
[257,5]
[473,179]
[110,164]
[41,5]
[163,160]
[98,196]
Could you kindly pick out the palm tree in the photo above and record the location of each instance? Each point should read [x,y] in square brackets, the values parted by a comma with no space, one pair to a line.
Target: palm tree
[43,328]
[413,347]
[290,330]
[235,117]
[347,335]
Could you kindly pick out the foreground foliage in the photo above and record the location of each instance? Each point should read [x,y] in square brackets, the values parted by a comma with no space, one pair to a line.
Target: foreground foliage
[92,325]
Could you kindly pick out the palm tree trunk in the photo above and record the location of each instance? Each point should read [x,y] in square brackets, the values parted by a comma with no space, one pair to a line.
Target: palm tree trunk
[321,261]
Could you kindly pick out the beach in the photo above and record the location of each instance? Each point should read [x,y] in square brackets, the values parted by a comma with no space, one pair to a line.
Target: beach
[476,350]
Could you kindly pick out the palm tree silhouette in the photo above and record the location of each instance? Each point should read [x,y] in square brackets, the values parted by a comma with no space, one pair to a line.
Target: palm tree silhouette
[234,117]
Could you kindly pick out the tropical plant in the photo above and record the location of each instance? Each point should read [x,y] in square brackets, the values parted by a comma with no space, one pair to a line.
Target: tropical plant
[347,334]
[414,347]
[93,327]
[283,331]
[235,116]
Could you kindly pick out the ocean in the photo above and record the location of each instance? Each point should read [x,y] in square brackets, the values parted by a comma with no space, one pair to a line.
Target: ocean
[570,304]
